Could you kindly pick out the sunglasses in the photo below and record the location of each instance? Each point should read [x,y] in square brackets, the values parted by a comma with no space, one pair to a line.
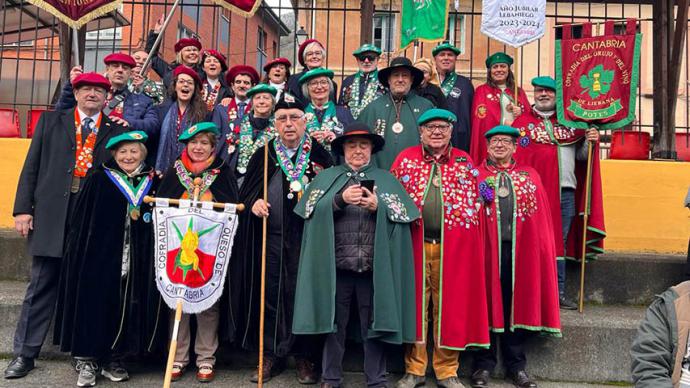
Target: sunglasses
[367,57]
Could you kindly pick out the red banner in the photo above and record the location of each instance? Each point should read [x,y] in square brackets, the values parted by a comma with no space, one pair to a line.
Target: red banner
[597,77]
[245,8]
[76,13]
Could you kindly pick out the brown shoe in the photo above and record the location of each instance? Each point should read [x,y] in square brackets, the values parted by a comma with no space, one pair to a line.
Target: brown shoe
[205,374]
[305,371]
[268,371]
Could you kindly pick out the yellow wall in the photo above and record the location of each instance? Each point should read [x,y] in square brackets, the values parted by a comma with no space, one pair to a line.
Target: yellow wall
[643,200]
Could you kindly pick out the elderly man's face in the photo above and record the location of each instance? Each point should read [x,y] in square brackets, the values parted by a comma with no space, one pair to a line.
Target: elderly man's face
[357,152]
[368,61]
[241,85]
[118,74]
[400,81]
[445,61]
[290,124]
[90,98]
[501,148]
[544,99]
[319,88]
[436,134]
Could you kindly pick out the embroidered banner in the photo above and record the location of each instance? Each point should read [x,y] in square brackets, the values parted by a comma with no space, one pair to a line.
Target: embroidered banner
[424,20]
[193,248]
[76,13]
[597,77]
[245,8]
[514,22]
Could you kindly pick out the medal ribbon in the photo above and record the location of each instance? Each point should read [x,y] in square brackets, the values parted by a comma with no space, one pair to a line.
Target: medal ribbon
[293,172]
[370,93]
[84,153]
[185,178]
[134,195]
[247,145]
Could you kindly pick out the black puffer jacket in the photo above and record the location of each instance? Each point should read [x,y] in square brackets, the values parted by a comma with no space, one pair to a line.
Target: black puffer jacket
[354,229]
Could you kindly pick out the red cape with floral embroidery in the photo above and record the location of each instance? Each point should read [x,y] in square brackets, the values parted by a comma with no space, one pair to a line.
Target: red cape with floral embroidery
[487,113]
[538,148]
[535,286]
[463,313]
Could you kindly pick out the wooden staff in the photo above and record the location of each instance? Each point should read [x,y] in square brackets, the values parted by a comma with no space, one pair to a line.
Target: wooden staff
[263,273]
[517,55]
[583,257]
[216,205]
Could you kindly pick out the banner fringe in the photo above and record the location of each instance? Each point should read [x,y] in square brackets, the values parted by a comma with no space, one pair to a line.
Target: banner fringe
[96,13]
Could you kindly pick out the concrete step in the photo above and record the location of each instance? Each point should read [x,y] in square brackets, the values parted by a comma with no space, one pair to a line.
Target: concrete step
[594,348]
[632,279]
[14,260]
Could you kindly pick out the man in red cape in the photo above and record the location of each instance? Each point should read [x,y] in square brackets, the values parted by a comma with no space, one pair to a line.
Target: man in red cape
[448,250]
[494,102]
[559,155]
[521,258]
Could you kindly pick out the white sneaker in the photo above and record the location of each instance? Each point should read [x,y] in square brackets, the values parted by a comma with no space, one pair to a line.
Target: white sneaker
[87,373]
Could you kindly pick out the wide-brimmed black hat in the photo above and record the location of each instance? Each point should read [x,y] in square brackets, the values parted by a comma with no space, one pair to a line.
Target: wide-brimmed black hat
[357,129]
[401,62]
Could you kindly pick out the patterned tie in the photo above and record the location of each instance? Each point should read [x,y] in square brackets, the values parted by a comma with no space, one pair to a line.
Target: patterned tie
[240,109]
[86,127]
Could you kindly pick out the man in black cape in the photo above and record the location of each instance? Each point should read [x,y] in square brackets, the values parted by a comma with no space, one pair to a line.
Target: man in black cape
[293,161]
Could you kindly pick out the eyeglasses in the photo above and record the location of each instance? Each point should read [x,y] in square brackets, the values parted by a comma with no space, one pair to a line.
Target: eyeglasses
[367,57]
[185,82]
[440,128]
[292,117]
[497,141]
[322,82]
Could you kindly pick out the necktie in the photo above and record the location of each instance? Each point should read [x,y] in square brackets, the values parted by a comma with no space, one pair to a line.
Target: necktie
[240,109]
[86,127]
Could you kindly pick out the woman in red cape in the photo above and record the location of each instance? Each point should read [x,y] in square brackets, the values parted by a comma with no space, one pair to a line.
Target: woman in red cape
[494,102]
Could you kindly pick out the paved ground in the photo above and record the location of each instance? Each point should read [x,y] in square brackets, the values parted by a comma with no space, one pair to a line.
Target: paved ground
[54,374]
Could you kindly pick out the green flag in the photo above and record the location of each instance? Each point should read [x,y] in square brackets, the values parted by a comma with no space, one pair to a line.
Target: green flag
[425,20]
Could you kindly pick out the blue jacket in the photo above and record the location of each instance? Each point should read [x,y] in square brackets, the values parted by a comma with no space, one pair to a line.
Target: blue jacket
[138,109]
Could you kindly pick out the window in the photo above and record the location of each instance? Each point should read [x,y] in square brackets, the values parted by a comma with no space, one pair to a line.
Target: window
[261,48]
[107,33]
[576,31]
[184,32]
[384,31]
[223,30]
[191,9]
[456,31]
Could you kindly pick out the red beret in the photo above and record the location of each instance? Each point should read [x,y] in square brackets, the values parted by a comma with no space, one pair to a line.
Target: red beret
[277,61]
[120,58]
[300,53]
[182,69]
[93,79]
[220,57]
[241,69]
[184,42]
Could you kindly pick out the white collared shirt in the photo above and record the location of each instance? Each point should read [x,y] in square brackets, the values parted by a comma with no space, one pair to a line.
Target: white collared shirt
[83,115]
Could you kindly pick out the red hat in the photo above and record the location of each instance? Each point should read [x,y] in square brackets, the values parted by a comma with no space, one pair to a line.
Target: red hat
[220,57]
[277,61]
[93,79]
[182,69]
[300,52]
[241,69]
[184,42]
[120,58]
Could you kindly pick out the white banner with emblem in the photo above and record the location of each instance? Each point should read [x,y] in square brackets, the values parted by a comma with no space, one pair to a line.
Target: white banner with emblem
[514,22]
[193,248]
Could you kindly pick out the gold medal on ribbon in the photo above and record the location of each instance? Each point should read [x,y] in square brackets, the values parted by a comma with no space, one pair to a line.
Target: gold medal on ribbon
[397,127]
[296,186]
[134,213]
[503,192]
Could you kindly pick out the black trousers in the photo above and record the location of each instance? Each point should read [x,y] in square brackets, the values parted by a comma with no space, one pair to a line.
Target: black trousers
[38,306]
[511,343]
[351,287]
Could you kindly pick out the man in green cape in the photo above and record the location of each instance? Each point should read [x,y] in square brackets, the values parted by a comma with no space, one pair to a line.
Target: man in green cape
[356,245]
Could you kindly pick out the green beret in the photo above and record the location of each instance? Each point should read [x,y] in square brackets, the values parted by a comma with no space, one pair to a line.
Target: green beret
[262,88]
[544,82]
[196,129]
[502,130]
[445,46]
[499,57]
[313,73]
[437,114]
[367,48]
[128,137]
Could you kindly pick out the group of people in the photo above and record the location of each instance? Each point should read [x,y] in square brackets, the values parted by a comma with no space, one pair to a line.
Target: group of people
[412,195]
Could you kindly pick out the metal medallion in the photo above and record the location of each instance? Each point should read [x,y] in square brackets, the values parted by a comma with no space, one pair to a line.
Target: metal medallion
[397,127]
[231,149]
[295,186]
[134,214]
[242,170]
[503,192]
[305,180]
[436,181]
[290,195]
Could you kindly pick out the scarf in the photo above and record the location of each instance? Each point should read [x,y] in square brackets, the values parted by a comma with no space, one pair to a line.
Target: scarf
[169,148]
[195,168]
[449,82]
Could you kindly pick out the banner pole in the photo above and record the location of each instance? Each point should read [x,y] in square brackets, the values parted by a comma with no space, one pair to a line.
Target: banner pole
[588,188]
[517,62]
[173,345]
[263,274]
[75,47]
[414,52]
[159,38]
